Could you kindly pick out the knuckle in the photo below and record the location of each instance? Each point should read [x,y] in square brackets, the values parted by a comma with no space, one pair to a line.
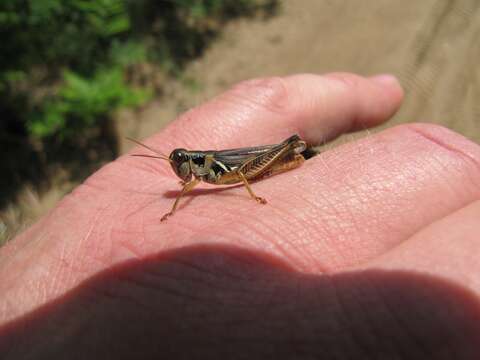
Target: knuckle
[444,140]
[271,94]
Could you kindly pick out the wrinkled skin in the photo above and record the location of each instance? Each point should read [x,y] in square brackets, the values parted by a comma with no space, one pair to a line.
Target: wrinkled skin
[369,250]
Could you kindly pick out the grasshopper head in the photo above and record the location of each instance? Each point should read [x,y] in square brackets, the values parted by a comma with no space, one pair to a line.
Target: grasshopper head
[180,162]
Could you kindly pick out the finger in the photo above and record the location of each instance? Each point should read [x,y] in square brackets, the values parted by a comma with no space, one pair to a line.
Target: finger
[447,249]
[341,208]
[263,111]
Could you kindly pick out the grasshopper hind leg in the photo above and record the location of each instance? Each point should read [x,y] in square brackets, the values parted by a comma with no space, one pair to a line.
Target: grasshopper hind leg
[258,199]
[291,162]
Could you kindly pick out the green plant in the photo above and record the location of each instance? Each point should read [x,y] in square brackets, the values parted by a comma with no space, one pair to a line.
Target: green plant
[63,62]
[81,101]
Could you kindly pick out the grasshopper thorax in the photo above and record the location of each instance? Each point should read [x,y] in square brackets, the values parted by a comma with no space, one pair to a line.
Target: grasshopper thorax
[180,162]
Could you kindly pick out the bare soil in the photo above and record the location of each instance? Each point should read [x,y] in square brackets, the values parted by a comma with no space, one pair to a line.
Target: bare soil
[433,46]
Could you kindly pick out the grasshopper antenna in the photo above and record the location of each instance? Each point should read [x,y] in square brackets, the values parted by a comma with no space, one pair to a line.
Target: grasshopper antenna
[160,155]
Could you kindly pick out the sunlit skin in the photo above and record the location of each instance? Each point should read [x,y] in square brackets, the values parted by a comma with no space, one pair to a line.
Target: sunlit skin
[370,249]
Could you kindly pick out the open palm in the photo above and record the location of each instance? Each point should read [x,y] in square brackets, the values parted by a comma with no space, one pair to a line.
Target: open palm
[351,255]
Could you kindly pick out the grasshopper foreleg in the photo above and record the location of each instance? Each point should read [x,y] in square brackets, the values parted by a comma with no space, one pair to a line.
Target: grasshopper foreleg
[186,188]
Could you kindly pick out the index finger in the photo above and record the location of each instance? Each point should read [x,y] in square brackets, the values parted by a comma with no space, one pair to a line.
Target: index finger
[267,110]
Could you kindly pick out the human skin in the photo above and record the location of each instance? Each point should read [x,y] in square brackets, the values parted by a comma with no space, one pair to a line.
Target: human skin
[369,250]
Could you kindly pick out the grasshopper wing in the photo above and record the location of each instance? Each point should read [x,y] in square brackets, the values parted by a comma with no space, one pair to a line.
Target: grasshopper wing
[261,164]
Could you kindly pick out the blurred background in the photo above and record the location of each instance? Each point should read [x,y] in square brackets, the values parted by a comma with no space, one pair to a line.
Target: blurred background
[77,76]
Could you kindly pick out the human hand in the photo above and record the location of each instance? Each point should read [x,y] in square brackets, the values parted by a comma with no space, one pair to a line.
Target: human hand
[368,250]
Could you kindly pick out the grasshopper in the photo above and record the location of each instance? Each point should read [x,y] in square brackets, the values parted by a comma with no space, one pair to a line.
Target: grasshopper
[227,167]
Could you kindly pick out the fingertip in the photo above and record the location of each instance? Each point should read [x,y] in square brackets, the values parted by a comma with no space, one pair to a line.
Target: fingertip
[391,93]
[385,79]
[351,102]
[391,85]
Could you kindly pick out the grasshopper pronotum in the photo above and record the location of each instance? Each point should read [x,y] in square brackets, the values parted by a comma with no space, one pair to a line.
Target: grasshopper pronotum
[226,167]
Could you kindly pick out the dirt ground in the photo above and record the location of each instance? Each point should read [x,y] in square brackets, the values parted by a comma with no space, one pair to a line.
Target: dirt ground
[433,46]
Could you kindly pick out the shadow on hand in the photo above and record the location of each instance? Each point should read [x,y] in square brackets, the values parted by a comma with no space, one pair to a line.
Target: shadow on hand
[211,301]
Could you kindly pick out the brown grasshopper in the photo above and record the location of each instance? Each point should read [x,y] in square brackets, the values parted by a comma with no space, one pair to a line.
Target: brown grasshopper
[226,167]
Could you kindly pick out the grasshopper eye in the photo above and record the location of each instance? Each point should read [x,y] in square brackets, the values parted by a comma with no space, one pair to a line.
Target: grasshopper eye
[179,156]
[180,164]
